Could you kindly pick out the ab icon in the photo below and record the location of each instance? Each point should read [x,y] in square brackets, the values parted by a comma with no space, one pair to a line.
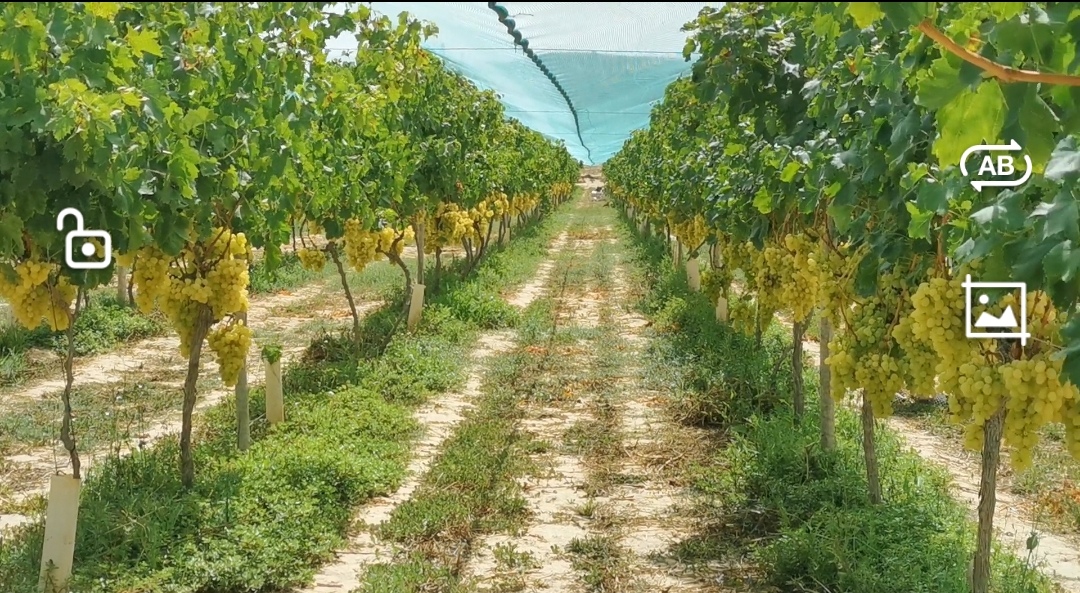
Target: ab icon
[1005,166]
[87,248]
[1006,321]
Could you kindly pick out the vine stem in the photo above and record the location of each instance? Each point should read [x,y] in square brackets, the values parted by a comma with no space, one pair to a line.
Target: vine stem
[1003,73]
[332,248]
[67,437]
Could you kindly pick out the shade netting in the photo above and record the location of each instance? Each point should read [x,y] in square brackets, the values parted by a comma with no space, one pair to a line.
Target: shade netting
[595,69]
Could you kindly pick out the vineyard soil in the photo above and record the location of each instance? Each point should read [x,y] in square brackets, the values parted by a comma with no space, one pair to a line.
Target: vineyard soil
[580,506]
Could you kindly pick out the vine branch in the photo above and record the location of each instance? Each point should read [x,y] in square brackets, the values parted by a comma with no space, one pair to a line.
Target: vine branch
[1003,73]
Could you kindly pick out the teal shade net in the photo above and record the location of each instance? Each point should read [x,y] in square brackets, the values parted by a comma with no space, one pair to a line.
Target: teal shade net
[606,63]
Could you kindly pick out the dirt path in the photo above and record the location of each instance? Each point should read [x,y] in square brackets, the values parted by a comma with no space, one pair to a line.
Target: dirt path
[154,360]
[602,514]
[1057,554]
[439,418]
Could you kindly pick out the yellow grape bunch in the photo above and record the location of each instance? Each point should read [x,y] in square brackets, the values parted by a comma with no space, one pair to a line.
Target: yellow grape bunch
[771,268]
[452,225]
[500,204]
[363,246]
[523,203]
[836,270]
[864,354]
[803,276]
[562,190]
[691,233]
[230,343]
[980,378]
[209,275]
[312,259]
[743,315]
[39,293]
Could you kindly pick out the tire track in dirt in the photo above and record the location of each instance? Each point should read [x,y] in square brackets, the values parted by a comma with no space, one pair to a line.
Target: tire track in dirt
[655,519]
[438,419]
[36,465]
[552,496]
[644,517]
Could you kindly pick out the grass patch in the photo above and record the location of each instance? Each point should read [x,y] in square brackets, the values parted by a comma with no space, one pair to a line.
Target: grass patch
[100,327]
[264,519]
[601,561]
[103,414]
[770,495]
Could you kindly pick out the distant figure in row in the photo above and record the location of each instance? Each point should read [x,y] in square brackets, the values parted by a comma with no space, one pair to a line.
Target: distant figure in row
[598,193]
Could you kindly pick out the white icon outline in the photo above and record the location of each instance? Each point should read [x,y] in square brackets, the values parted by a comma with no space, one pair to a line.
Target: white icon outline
[979,185]
[1022,334]
[80,233]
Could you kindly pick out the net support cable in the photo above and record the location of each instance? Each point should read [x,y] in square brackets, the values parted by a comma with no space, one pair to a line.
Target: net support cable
[521,41]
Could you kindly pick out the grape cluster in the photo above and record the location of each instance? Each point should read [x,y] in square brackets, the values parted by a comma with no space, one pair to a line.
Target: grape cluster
[865,355]
[229,343]
[40,293]
[691,233]
[363,246]
[743,315]
[312,259]
[523,203]
[804,273]
[920,360]
[209,275]
[562,190]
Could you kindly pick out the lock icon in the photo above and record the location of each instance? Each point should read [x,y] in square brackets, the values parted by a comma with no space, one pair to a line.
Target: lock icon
[87,248]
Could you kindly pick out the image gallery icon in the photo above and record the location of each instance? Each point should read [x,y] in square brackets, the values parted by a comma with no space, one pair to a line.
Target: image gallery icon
[87,249]
[987,322]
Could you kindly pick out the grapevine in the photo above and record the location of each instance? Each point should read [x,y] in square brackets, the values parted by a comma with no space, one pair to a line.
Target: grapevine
[831,170]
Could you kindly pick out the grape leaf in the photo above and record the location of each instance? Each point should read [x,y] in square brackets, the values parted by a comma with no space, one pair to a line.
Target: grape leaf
[865,14]
[789,172]
[1039,124]
[1006,10]
[1070,334]
[144,42]
[939,86]
[972,118]
[1064,161]
[11,228]
[1062,262]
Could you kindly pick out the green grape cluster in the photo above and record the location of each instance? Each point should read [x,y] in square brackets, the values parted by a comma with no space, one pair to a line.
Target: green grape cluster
[771,271]
[920,360]
[742,315]
[864,354]
[312,259]
[230,343]
[836,267]
[210,274]
[39,294]
[804,276]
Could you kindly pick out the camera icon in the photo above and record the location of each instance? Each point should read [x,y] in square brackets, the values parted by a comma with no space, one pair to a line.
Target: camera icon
[87,248]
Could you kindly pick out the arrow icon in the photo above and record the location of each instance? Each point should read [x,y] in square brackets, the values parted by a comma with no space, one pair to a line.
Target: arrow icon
[979,185]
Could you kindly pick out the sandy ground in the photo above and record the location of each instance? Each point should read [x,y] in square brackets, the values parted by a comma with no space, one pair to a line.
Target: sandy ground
[643,516]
